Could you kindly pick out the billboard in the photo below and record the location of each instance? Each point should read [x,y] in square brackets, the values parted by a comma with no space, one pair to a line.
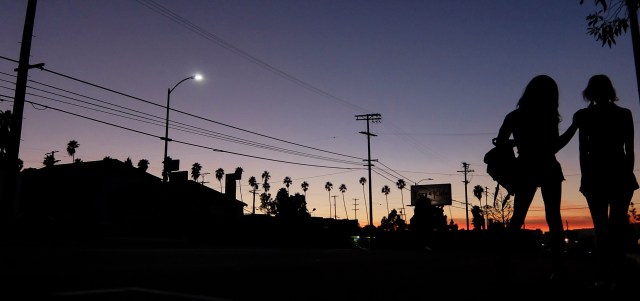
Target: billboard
[439,194]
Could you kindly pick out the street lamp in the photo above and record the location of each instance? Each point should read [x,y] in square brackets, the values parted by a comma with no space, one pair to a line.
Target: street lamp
[414,188]
[165,172]
[427,179]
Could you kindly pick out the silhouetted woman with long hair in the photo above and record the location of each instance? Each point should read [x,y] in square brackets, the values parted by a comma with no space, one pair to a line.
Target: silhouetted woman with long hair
[607,158]
[534,127]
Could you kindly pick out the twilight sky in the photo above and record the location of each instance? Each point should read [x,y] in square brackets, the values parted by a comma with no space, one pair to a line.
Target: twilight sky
[284,80]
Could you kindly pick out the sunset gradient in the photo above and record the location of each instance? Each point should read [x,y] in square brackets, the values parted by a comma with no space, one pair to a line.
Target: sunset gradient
[284,80]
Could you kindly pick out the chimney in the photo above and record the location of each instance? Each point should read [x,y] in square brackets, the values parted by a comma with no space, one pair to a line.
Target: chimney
[230,185]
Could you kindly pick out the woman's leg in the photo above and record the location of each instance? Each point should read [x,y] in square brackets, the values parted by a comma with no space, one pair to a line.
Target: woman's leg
[521,202]
[599,209]
[552,195]
[619,231]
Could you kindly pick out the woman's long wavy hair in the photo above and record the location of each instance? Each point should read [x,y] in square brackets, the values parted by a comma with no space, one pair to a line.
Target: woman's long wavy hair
[541,99]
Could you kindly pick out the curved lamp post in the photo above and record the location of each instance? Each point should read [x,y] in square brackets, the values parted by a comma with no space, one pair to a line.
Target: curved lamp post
[427,179]
[165,172]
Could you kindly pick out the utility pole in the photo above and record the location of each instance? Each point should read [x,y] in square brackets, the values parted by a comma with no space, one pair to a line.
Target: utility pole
[8,201]
[369,118]
[466,170]
[355,208]
[486,207]
[204,174]
[632,9]
[335,213]
[254,192]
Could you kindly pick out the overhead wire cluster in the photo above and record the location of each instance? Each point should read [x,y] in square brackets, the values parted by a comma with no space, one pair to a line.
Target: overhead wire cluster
[47,96]
[43,95]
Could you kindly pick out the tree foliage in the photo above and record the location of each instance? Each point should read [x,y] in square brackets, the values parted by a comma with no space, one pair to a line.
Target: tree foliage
[267,204]
[71,149]
[498,215]
[219,176]
[477,217]
[393,222]
[290,207]
[287,182]
[196,169]
[610,21]
[50,159]
[143,164]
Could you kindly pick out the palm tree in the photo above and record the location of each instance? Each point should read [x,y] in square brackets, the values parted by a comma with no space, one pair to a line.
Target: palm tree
[238,174]
[342,189]
[477,192]
[71,149]
[287,182]
[363,181]
[328,186]
[401,185]
[265,177]
[254,185]
[386,190]
[305,187]
[143,164]
[219,175]
[195,171]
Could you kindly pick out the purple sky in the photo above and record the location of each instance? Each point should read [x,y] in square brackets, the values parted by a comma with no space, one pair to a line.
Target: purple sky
[441,73]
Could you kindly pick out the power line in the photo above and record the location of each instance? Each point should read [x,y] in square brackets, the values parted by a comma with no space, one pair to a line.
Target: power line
[187,128]
[226,45]
[186,143]
[187,114]
[198,117]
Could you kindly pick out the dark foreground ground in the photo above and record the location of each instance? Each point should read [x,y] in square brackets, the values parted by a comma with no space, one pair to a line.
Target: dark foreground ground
[81,271]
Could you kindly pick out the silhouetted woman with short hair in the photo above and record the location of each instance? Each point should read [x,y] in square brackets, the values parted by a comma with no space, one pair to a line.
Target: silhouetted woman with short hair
[534,127]
[607,158]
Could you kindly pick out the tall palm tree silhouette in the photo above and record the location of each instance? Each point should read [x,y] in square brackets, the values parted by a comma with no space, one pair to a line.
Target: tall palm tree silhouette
[363,181]
[386,190]
[238,174]
[195,171]
[71,149]
[219,175]
[328,186]
[477,192]
[305,187]
[401,185]
[265,176]
[264,196]
[342,189]
[287,182]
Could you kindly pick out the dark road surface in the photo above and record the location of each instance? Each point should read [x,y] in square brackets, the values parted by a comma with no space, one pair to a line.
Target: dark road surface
[35,272]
